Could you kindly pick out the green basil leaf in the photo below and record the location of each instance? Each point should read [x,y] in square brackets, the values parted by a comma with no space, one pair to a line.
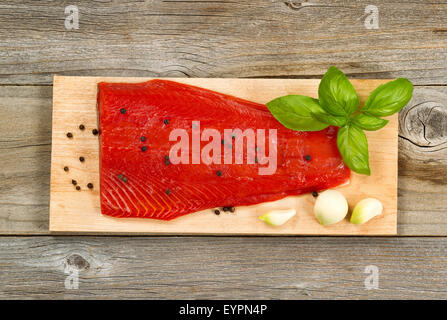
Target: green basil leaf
[336,94]
[353,146]
[294,112]
[389,98]
[337,121]
[369,122]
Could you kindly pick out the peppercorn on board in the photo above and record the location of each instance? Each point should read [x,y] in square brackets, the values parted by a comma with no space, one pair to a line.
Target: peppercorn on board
[75,203]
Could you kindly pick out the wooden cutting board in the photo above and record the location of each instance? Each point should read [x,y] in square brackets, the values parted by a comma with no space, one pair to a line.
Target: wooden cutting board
[74,103]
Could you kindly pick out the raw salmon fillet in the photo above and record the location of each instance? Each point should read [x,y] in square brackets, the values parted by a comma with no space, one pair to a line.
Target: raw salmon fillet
[139,179]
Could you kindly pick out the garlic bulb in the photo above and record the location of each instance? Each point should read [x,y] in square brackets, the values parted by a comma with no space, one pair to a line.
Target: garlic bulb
[330,207]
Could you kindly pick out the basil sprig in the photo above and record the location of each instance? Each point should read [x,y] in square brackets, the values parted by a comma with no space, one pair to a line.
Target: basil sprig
[338,105]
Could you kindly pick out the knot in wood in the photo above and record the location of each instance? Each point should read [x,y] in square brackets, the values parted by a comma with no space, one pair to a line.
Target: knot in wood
[77,261]
[425,124]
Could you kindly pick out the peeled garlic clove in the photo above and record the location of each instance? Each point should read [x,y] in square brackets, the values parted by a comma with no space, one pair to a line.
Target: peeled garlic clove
[278,217]
[330,207]
[365,210]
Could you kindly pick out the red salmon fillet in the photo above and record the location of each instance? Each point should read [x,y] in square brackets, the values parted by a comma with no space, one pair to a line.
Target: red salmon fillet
[137,183]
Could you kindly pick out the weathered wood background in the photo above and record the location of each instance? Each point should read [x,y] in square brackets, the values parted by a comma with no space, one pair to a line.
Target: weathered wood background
[261,38]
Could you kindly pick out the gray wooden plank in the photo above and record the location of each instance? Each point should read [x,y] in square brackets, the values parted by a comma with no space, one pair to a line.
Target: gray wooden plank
[267,38]
[422,188]
[222,268]
[25,149]
[25,131]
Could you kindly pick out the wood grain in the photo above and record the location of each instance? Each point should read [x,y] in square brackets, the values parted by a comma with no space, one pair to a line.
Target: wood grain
[264,38]
[423,163]
[222,267]
[25,145]
[25,154]
[74,102]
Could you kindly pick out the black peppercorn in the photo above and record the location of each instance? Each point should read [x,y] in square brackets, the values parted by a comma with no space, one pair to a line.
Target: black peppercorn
[70,135]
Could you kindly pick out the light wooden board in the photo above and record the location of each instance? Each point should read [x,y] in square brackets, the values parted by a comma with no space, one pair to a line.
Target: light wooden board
[74,102]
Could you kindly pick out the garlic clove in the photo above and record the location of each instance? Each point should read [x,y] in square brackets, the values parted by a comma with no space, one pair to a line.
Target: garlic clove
[277,217]
[330,207]
[365,210]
